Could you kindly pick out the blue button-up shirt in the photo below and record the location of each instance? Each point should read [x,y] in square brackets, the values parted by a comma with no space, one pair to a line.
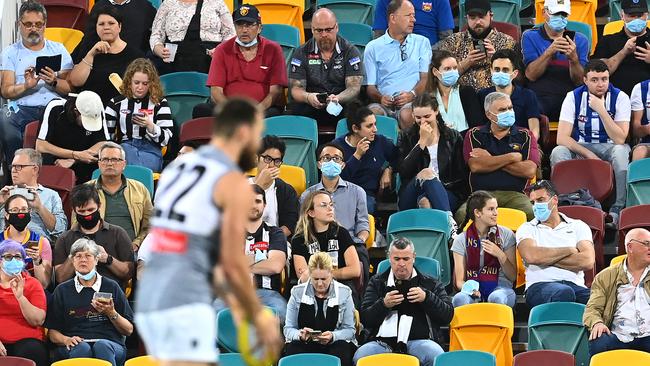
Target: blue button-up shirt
[52,202]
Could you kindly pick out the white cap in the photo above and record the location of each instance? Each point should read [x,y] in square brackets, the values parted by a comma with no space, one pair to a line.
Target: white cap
[91,108]
[558,6]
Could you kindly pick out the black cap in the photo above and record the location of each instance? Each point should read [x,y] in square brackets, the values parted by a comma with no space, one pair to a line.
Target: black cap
[247,13]
[634,6]
[477,6]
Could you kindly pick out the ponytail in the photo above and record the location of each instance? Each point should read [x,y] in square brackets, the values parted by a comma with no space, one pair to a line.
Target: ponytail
[476,201]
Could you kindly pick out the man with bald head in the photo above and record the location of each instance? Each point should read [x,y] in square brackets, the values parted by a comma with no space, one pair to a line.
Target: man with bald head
[325,73]
[618,311]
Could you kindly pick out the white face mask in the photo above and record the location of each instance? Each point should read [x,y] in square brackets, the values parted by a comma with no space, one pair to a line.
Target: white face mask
[246,45]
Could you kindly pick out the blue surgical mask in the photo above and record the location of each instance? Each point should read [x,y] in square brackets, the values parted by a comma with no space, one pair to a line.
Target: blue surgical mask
[506,119]
[246,45]
[636,26]
[330,169]
[542,211]
[13,267]
[86,277]
[449,78]
[501,79]
[557,22]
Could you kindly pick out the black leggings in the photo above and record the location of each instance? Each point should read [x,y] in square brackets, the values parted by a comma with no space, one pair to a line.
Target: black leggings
[29,348]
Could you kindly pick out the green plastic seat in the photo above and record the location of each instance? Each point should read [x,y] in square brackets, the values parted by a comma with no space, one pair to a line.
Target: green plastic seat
[428,229]
[558,326]
[231,359]
[303,359]
[428,266]
[386,126]
[638,183]
[356,33]
[142,174]
[350,11]
[506,11]
[286,35]
[474,358]
[184,90]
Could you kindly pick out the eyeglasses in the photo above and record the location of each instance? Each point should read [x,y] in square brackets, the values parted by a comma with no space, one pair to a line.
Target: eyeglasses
[645,243]
[402,51]
[325,205]
[19,167]
[269,159]
[30,25]
[327,159]
[18,210]
[8,257]
[110,160]
[324,30]
[79,256]
[246,25]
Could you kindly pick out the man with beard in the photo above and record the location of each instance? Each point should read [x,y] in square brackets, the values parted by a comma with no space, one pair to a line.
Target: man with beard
[198,230]
[594,123]
[474,47]
[325,73]
[29,89]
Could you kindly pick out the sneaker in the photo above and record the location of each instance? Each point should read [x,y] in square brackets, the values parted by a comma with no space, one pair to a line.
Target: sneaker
[453,228]
[611,220]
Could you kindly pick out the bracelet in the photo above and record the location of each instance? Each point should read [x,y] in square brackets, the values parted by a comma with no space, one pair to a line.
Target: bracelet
[86,62]
[73,158]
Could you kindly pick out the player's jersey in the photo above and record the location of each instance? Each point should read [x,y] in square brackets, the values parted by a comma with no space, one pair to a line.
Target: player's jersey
[184,230]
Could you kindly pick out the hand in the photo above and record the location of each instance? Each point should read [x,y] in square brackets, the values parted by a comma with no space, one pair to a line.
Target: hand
[30,79]
[362,148]
[597,330]
[516,156]
[590,155]
[33,254]
[103,256]
[476,294]
[333,98]
[489,47]
[4,194]
[643,53]
[479,153]
[104,308]
[48,75]
[36,204]
[597,104]
[268,333]
[266,177]
[387,101]
[386,180]
[3,350]
[475,56]
[392,299]
[494,250]
[416,294]
[85,156]
[65,163]
[426,174]
[570,49]
[304,334]
[99,47]
[630,46]
[426,135]
[17,284]
[325,338]
[312,100]
[210,51]
[162,52]
[72,341]
[145,121]
[559,44]
[403,98]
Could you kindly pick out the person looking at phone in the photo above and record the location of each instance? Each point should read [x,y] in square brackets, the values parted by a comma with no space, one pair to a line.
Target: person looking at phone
[554,57]
[484,253]
[320,314]
[475,46]
[370,157]
[404,294]
[28,91]
[47,216]
[89,315]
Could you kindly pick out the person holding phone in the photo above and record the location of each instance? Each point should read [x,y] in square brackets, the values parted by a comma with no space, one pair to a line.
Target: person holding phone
[320,314]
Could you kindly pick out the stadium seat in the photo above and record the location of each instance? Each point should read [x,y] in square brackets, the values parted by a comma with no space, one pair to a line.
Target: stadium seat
[292,175]
[615,26]
[141,174]
[618,357]
[300,134]
[82,362]
[286,35]
[357,34]
[184,90]
[583,11]
[474,358]
[230,359]
[505,11]
[483,327]
[66,13]
[69,37]
[31,134]
[595,175]
[585,29]
[510,29]
[558,326]
[62,180]
[16,361]
[388,359]
[595,219]
[287,12]
[618,259]
[226,331]
[197,130]
[545,357]
[142,361]
[156,3]
[386,126]
[372,231]
[316,359]
[350,11]
[631,218]
[638,183]
[428,229]
[428,266]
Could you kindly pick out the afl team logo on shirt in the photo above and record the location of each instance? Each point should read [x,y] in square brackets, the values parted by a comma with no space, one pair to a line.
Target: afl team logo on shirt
[427,7]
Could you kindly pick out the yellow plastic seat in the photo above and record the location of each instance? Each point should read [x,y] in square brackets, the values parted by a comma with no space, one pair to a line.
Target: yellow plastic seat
[618,259]
[230,4]
[82,362]
[142,361]
[583,11]
[371,237]
[69,37]
[625,357]
[292,175]
[615,27]
[388,359]
[287,12]
[483,327]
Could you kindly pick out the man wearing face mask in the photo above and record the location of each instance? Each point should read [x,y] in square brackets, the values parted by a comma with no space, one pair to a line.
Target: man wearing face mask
[556,251]
[116,254]
[554,57]
[501,156]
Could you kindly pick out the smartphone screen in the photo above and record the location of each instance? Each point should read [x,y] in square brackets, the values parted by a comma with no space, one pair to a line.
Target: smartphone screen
[322,97]
[32,244]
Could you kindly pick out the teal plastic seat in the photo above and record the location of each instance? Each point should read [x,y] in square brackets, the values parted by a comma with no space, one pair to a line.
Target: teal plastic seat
[141,174]
[231,359]
[286,35]
[303,359]
[506,11]
[474,358]
[155,3]
[300,134]
[428,229]
[184,90]
[428,266]
[226,331]
[386,126]
[558,326]
[350,11]
[615,10]
[356,33]
[638,183]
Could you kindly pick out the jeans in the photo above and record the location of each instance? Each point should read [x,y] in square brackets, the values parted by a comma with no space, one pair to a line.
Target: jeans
[617,155]
[12,127]
[560,291]
[609,342]
[508,199]
[103,349]
[432,189]
[143,153]
[425,350]
[270,298]
[500,295]
[371,203]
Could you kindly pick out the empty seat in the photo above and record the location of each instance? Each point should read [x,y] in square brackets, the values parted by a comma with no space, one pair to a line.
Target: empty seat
[428,266]
[82,362]
[638,183]
[545,358]
[356,33]
[62,180]
[31,134]
[621,357]
[287,36]
[631,218]
[230,359]
[474,358]
[69,37]
[287,12]
[66,13]
[350,11]
[310,359]
[16,361]
[388,359]
[386,126]
[142,361]
[184,90]
[595,175]
[197,130]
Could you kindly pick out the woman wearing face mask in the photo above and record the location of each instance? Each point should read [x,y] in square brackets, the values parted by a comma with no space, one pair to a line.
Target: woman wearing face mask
[317,231]
[366,153]
[38,261]
[22,307]
[459,106]
[320,314]
[89,315]
[485,254]
[147,127]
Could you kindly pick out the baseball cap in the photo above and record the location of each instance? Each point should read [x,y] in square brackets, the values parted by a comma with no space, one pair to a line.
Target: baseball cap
[91,108]
[634,6]
[558,6]
[247,13]
[477,7]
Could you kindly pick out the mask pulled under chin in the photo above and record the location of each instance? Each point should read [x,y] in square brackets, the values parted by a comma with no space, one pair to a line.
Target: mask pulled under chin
[246,45]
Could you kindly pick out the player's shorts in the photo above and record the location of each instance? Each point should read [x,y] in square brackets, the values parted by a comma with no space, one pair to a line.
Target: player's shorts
[185,333]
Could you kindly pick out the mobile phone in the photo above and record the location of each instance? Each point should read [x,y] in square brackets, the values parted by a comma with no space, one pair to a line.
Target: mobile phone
[53,62]
[322,97]
[103,297]
[403,286]
[313,334]
[139,115]
[641,40]
[570,34]
[23,192]
[479,45]
[32,244]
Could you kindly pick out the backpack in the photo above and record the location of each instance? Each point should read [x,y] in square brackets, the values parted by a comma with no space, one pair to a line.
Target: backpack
[581,197]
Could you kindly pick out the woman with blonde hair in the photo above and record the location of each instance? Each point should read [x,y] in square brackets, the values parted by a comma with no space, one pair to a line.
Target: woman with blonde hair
[140,118]
[320,314]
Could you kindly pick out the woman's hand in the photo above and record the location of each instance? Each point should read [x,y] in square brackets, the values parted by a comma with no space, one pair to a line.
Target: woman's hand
[17,285]
[34,254]
[143,122]
[325,338]
[161,51]
[494,250]
[304,334]
[72,341]
[386,180]
[362,148]
[99,47]
[104,308]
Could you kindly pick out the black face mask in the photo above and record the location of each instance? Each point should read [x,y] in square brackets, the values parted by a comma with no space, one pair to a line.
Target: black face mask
[88,221]
[19,220]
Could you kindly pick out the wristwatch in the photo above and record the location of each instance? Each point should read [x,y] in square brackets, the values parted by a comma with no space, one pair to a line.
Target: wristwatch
[109,260]
[56,81]
[114,317]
